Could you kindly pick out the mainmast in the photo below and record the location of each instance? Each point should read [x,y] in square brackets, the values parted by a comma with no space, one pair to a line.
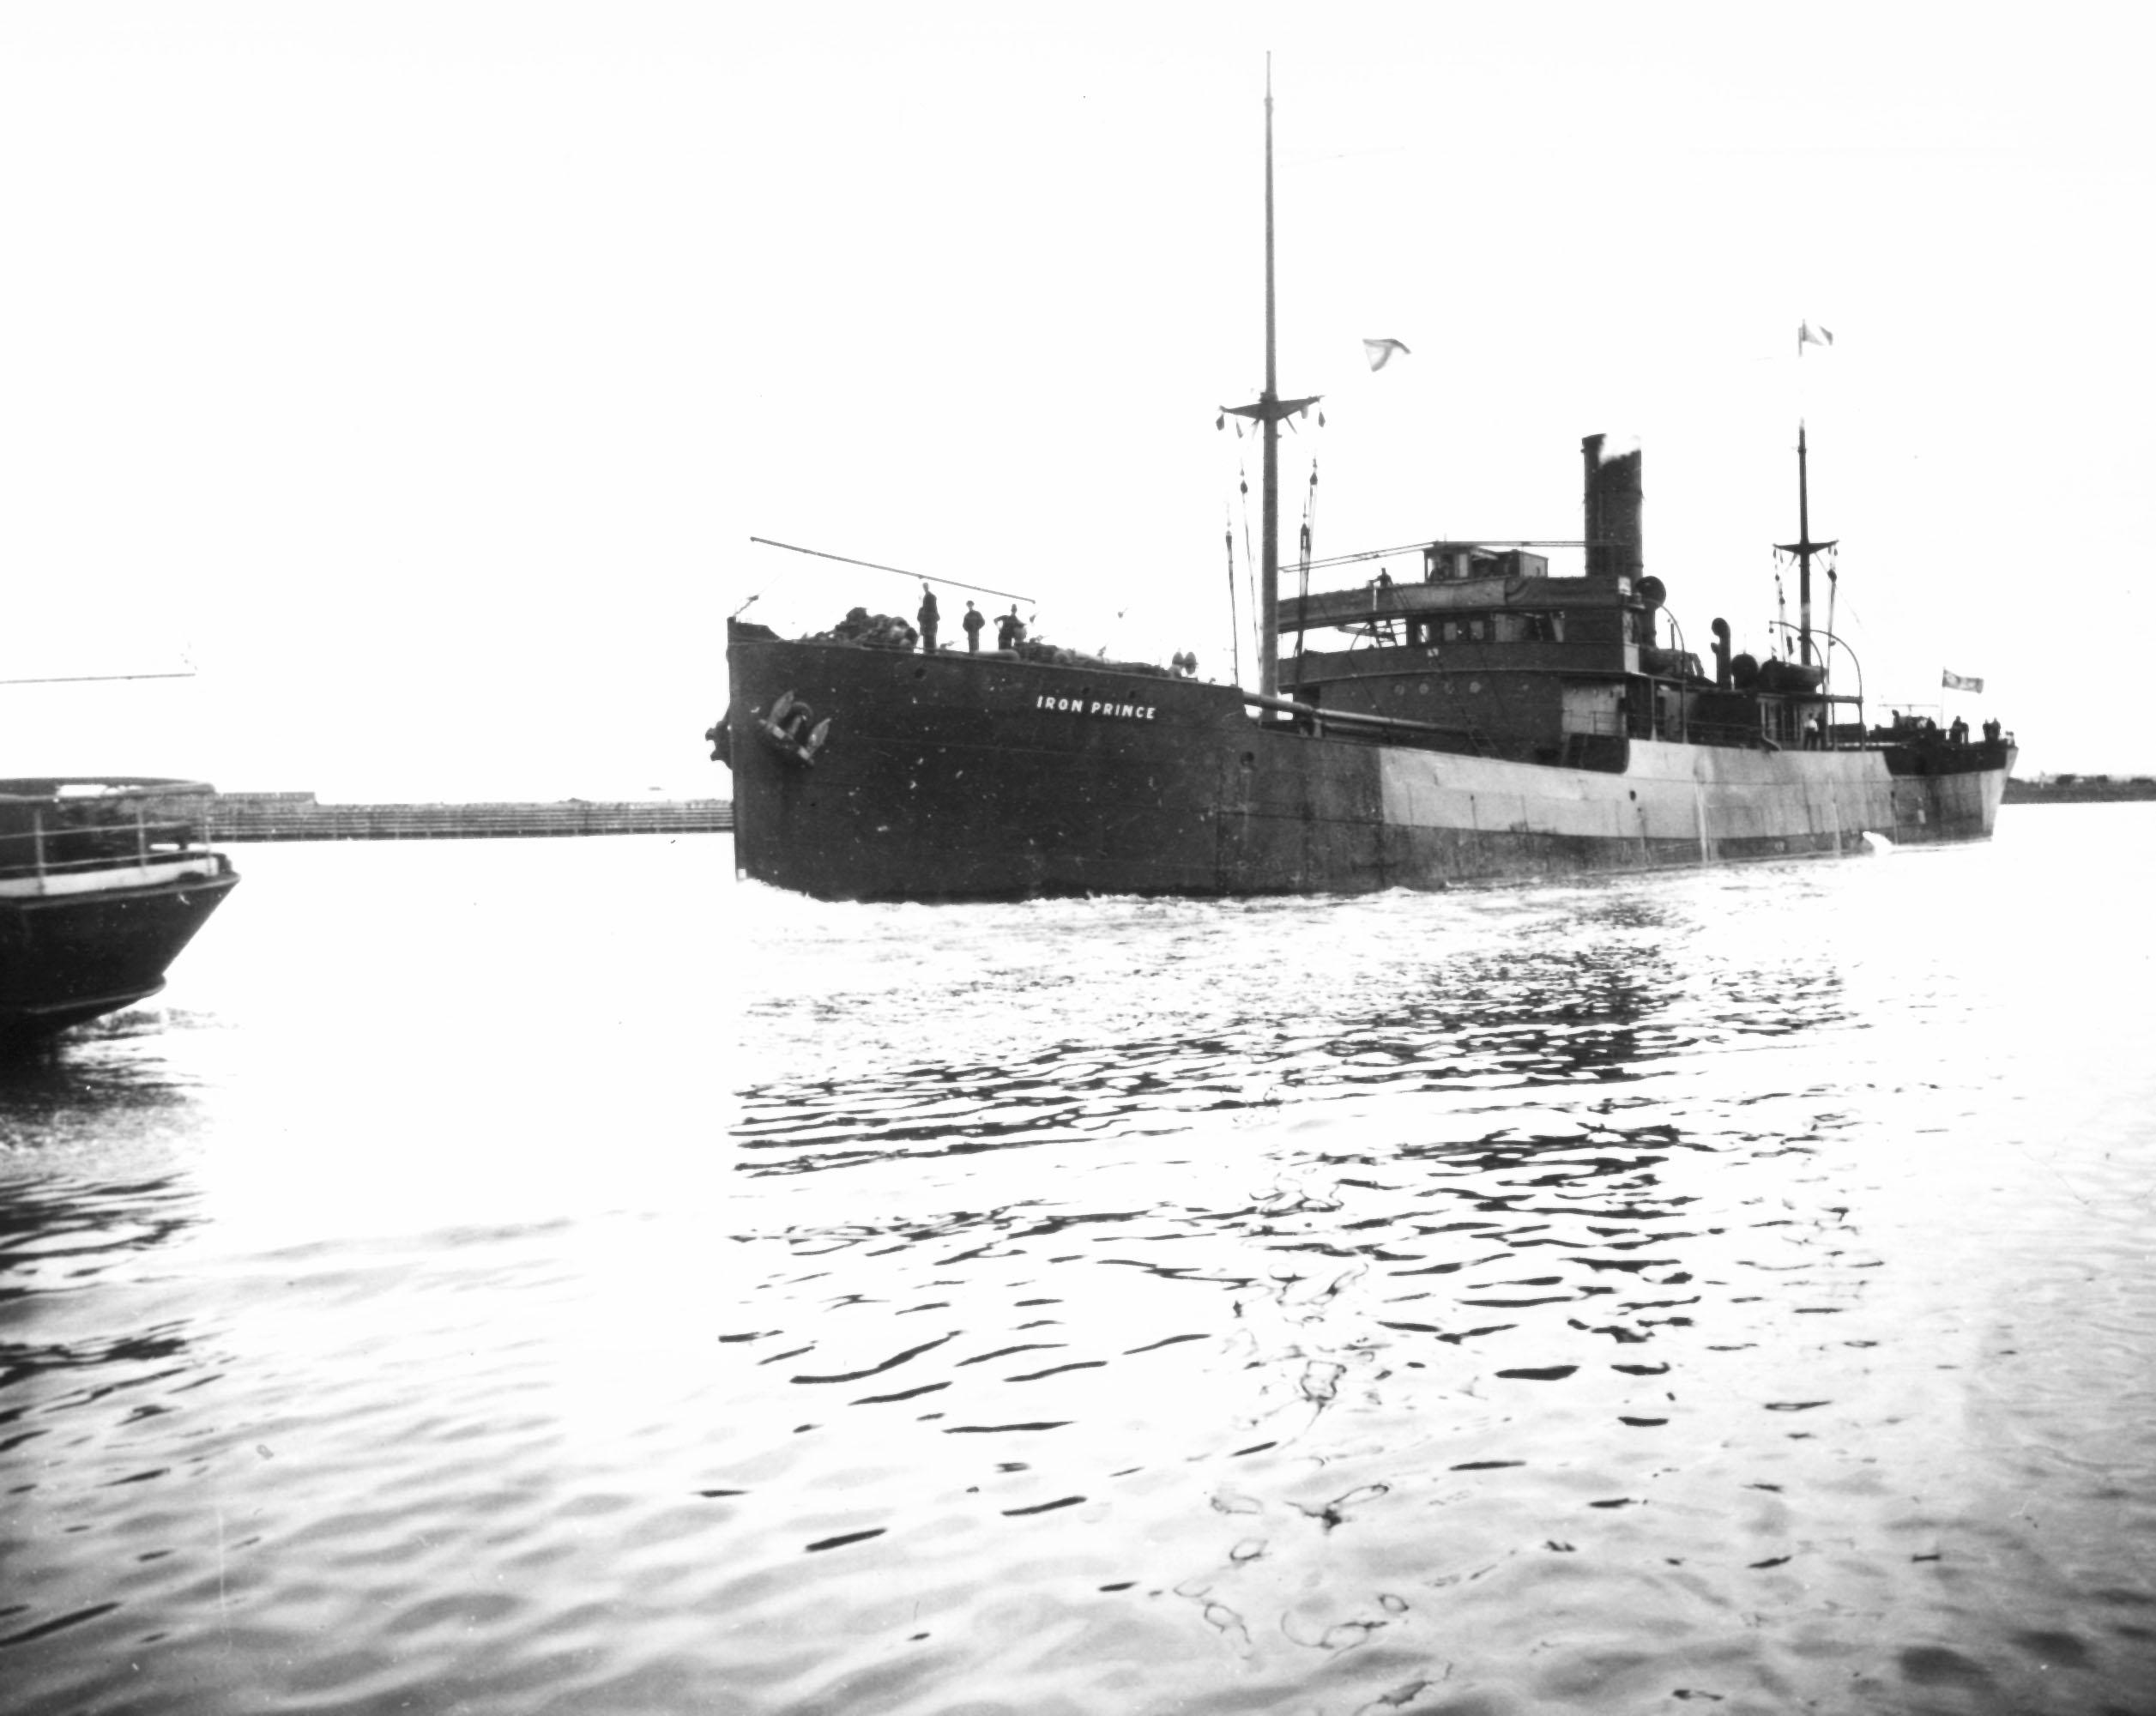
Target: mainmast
[1268,411]
[1804,548]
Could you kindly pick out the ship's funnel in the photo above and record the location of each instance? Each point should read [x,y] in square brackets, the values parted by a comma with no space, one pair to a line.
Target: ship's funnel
[1613,504]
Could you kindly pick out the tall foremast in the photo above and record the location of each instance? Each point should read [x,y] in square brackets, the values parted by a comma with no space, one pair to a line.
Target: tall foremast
[1269,411]
[1804,548]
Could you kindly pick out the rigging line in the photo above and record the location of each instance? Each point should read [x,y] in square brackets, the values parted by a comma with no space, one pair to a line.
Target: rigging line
[876,566]
[1234,624]
[1250,564]
[1479,541]
[1309,526]
[87,679]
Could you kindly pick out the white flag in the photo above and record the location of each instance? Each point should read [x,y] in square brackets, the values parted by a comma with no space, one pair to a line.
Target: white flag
[1808,335]
[1379,352]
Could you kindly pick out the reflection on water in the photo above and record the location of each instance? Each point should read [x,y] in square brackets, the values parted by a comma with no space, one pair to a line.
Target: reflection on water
[87,1214]
[1587,993]
[55,1244]
[1725,1289]
[106,1078]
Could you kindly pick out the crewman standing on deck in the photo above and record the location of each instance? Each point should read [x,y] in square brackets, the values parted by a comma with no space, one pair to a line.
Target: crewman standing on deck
[972,623]
[927,620]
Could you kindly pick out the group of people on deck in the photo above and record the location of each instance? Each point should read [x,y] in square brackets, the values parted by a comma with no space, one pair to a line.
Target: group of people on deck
[1957,733]
[1010,629]
[1923,727]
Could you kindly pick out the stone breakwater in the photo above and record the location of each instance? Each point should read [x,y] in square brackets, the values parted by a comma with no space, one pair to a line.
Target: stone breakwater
[299,816]
[2081,790]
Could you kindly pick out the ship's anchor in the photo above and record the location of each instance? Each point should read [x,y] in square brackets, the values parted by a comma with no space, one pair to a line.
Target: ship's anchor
[722,738]
[792,730]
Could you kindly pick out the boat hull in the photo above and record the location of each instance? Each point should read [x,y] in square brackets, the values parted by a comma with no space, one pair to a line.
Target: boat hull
[961,776]
[66,956]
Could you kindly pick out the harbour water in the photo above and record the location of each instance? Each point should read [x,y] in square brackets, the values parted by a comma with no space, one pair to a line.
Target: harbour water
[522,1276]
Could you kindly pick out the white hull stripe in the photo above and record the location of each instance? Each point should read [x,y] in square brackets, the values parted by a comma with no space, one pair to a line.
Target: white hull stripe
[114,879]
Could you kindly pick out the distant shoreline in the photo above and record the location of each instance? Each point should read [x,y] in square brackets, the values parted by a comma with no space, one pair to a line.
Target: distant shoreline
[2080,790]
[299,816]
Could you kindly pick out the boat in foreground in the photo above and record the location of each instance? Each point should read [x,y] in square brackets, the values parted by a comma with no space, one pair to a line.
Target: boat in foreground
[103,880]
[1479,720]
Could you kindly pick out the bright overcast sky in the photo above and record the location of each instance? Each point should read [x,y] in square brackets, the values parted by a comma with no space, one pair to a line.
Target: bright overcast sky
[417,374]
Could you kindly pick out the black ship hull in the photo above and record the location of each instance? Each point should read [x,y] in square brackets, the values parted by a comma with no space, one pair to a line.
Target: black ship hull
[69,958]
[103,881]
[960,776]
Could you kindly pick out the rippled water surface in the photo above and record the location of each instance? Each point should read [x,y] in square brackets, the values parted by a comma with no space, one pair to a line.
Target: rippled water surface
[548,1276]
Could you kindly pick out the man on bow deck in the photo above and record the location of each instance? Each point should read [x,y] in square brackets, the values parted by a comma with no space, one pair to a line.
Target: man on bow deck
[927,620]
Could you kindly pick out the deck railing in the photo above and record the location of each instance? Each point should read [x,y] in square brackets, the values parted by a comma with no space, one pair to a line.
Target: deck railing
[55,844]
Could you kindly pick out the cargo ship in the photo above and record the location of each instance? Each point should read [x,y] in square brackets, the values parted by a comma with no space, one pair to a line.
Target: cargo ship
[1482,721]
[103,880]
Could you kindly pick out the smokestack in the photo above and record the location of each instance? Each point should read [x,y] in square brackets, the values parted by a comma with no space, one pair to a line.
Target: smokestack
[1615,543]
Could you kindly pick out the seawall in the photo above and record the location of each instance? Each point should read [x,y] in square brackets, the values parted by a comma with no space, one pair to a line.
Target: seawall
[298,816]
[2080,790]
